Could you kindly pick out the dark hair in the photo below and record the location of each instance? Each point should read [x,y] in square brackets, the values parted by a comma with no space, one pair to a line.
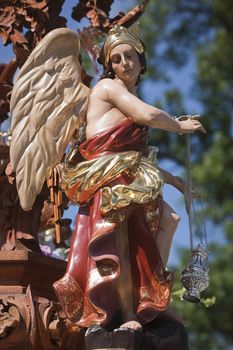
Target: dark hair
[109,72]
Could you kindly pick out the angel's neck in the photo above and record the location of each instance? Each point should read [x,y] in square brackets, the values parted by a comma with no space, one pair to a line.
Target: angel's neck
[129,85]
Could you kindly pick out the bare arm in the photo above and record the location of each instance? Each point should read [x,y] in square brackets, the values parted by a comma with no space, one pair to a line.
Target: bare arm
[132,107]
[177,182]
[172,180]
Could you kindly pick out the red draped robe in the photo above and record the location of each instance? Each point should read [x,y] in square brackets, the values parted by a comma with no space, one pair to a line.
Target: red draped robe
[87,291]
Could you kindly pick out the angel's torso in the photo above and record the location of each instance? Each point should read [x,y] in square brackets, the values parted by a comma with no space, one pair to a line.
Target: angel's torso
[101,114]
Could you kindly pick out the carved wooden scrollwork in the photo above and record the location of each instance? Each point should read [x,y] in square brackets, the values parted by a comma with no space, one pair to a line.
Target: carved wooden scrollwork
[7,72]
[49,325]
[35,323]
[15,320]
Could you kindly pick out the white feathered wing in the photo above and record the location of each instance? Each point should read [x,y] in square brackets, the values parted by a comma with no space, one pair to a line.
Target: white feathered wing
[48,103]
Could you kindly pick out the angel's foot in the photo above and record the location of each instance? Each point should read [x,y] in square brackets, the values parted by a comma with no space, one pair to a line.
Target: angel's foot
[135,325]
[131,323]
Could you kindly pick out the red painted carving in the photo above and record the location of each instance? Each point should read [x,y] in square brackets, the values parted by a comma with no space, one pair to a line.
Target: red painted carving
[29,316]
[37,16]
[7,72]
[98,14]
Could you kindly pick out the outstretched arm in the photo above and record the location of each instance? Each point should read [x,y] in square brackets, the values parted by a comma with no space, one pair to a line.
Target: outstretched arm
[132,107]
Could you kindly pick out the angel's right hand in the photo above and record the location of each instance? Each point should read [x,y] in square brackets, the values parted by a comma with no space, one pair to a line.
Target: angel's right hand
[190,125]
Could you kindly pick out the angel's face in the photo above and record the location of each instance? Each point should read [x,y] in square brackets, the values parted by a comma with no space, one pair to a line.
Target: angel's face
[125,62]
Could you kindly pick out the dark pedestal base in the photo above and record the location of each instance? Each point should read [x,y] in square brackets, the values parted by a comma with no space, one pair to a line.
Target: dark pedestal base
[100,338]
[157,335]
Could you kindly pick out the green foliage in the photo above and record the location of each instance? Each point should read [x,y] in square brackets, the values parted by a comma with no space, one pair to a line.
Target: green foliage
[201,30]
[214,175]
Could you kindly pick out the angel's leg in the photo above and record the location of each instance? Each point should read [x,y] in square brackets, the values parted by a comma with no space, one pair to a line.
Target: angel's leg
[168,224]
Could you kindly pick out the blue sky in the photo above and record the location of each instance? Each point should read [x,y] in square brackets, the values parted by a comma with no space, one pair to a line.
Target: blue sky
[183,80]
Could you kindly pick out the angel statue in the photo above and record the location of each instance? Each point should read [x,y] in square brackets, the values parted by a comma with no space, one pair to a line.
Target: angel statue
[117,262]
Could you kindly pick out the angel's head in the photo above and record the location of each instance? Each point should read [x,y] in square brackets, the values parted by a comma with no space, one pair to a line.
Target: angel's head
[122,48]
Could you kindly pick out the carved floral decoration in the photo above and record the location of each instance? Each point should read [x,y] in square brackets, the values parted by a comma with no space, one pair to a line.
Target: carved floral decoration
[37,16]
[98,13]
[32,322]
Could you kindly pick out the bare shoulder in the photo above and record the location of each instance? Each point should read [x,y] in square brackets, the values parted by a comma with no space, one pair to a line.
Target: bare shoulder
[106,82]
[107,85]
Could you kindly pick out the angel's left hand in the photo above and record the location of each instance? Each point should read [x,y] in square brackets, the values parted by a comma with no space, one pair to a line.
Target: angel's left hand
[182,186]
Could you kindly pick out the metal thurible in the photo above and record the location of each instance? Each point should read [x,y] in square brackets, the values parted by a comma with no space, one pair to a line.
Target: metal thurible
[195,277]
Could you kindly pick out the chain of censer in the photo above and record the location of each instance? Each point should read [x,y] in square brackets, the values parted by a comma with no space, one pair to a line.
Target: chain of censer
[188,196]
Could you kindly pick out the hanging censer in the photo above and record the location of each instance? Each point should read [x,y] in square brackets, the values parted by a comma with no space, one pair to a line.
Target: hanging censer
[195,277]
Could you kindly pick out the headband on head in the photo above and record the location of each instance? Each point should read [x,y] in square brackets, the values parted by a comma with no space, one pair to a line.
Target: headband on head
[120,35]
